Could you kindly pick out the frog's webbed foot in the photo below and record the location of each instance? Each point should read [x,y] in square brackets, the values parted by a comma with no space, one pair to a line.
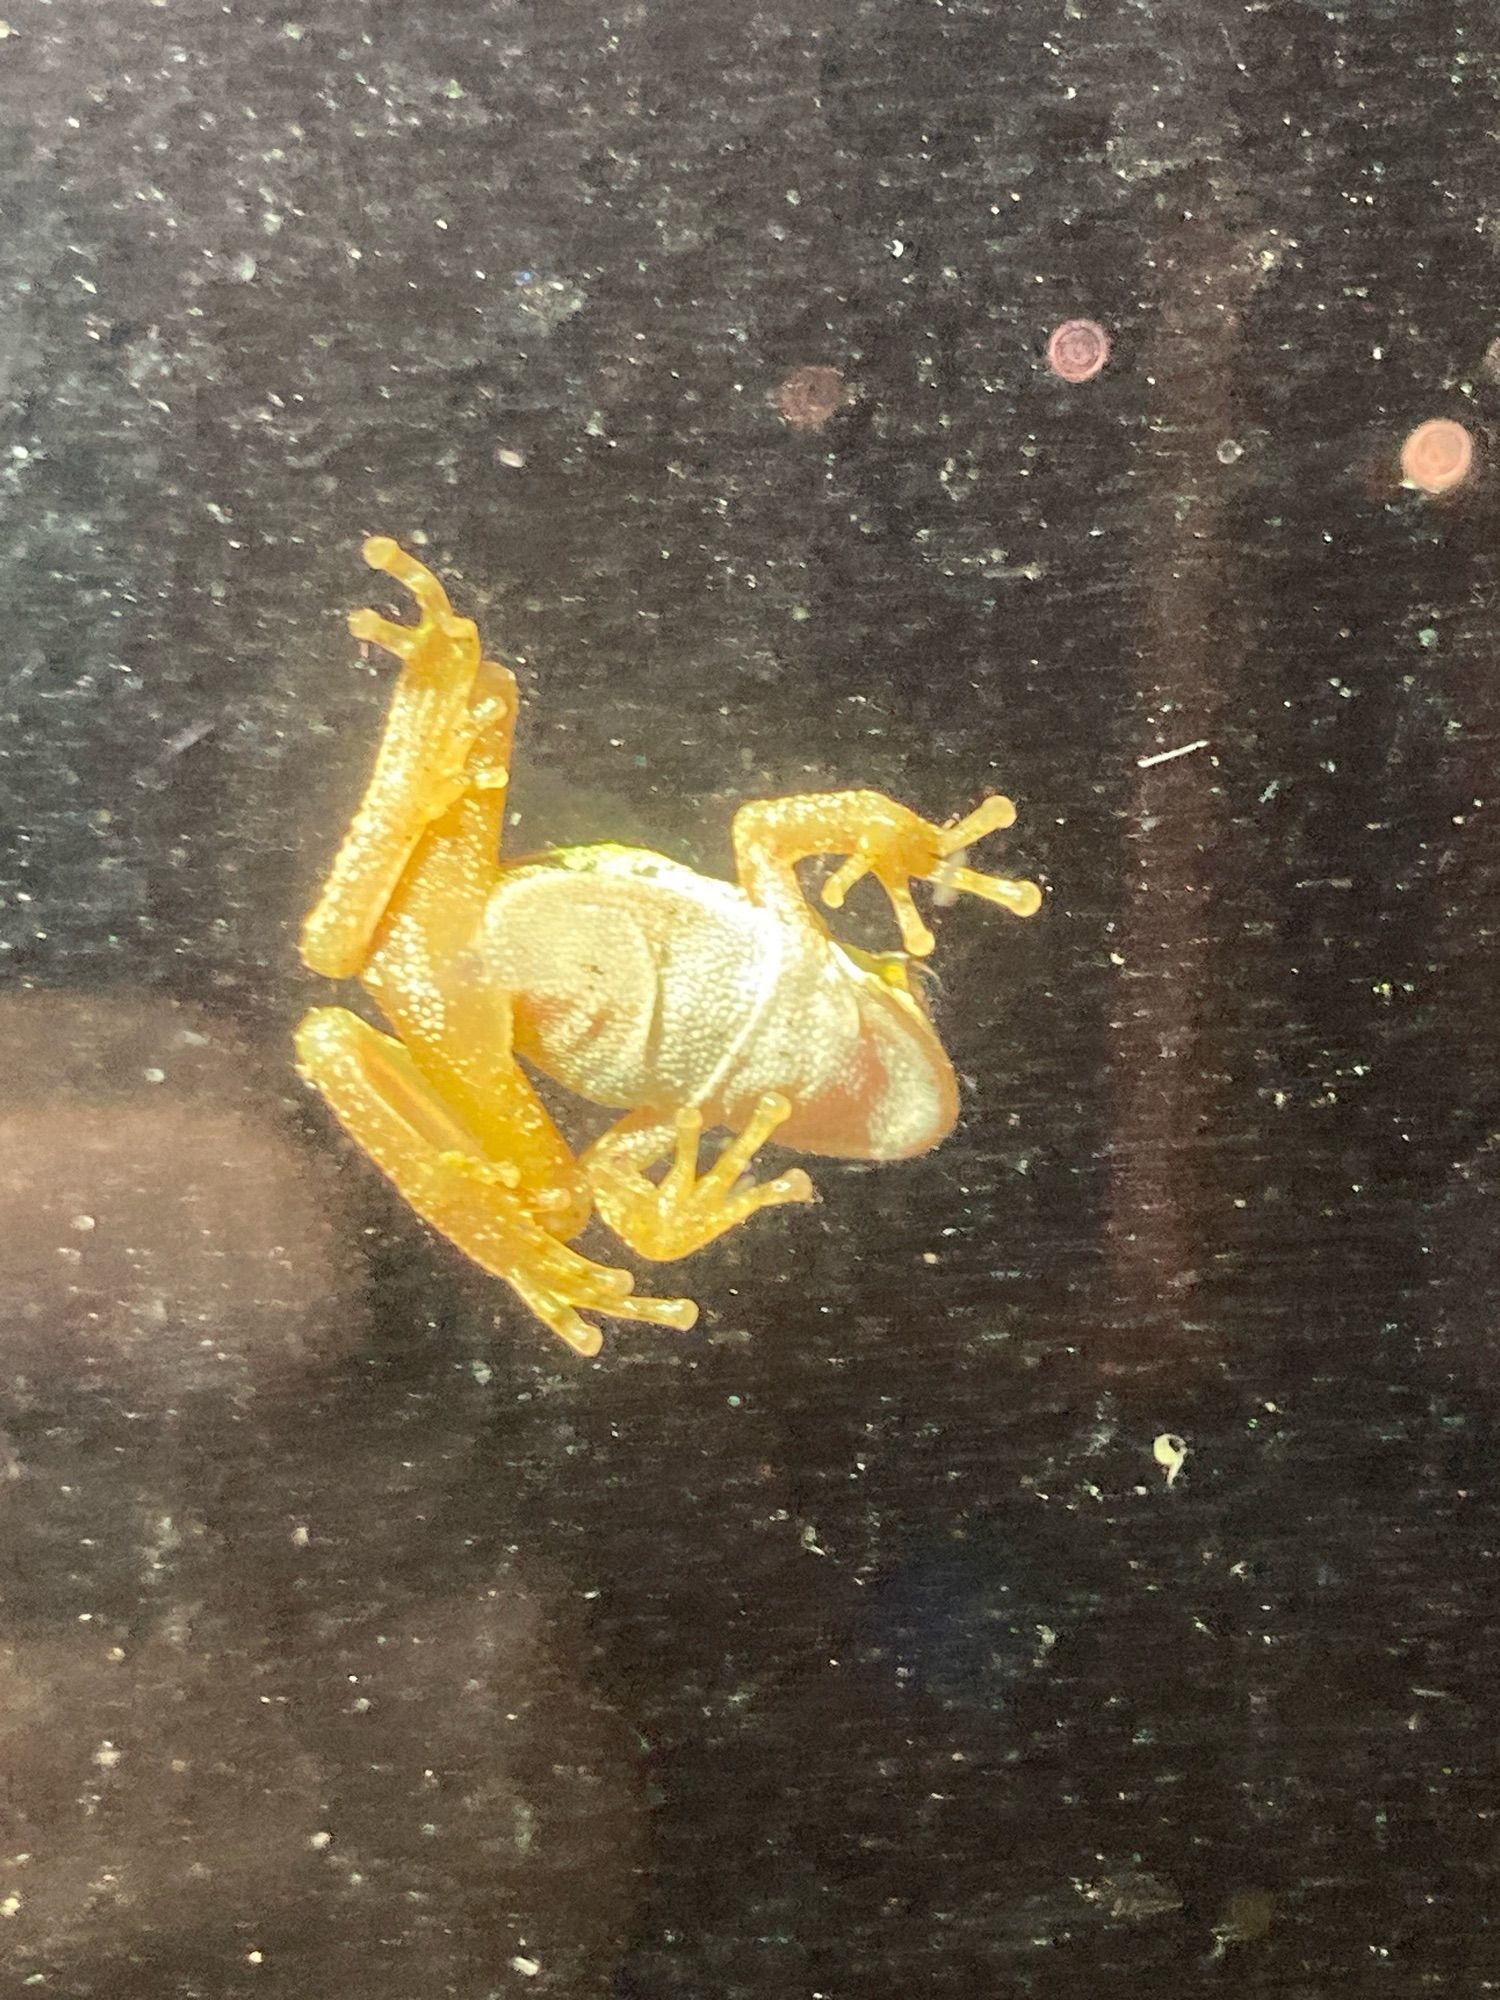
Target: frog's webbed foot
[448,732]
[385,1103]
[898,847]
[459,709]
[685,1209]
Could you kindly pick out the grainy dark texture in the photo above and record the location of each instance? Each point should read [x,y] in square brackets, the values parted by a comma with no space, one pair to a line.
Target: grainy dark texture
[854,1645]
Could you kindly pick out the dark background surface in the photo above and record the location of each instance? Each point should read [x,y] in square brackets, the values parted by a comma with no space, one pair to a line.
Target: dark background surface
[355,1637]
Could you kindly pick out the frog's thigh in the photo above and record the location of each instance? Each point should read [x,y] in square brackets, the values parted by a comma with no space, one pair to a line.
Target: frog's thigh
[686,1209]
[388,1107]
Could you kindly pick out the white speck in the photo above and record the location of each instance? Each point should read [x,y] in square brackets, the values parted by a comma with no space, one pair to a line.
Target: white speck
[107,1756]
[320,1841]
[509,456]
[1166,756]
[1170,1453]
[528,1967]
[1228,450]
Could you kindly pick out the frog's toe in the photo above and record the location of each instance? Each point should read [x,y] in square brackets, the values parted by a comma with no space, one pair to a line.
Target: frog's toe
[388,556]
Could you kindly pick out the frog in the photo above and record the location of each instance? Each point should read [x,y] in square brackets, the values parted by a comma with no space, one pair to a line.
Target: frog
[684,1003]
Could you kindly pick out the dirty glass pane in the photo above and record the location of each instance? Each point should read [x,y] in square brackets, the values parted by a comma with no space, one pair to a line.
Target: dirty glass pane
[1059,1562]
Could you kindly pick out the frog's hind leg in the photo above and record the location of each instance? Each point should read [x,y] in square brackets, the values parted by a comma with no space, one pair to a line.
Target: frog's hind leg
[407,891]
[476,1199]
[685,1209]
[443,762]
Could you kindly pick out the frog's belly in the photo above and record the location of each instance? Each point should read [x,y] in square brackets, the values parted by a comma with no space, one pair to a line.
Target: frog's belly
[634,983]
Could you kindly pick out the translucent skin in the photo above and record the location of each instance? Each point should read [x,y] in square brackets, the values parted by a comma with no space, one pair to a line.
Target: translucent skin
[682,1001]
[636,983]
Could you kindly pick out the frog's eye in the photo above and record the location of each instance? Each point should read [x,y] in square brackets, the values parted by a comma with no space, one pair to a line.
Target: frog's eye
[912,976]
[891,968]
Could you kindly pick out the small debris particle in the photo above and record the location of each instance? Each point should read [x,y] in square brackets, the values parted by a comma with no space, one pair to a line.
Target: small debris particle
[1166,756]
[1134,1894]
[186,738]
[1170,1452]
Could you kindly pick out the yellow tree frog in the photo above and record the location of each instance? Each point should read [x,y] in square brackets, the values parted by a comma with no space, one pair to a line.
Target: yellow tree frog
[683,1002]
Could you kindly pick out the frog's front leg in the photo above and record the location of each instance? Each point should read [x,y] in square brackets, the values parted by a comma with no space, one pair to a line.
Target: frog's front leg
[478,1200]
[685,1209]
[881,838]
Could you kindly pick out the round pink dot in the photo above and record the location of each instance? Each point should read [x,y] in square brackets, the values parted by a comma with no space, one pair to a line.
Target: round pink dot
[1077,350]
[1437,455]
[810,395]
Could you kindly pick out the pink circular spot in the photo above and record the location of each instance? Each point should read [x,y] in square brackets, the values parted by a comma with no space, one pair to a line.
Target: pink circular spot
[1437,455]
[1077,350]
[810,395]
